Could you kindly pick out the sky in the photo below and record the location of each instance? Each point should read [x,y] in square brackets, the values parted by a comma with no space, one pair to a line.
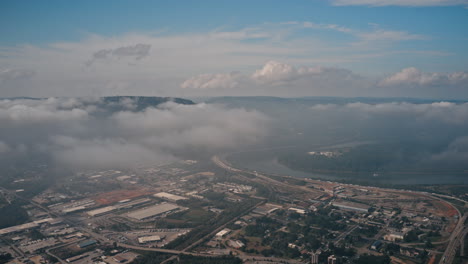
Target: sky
[349,48]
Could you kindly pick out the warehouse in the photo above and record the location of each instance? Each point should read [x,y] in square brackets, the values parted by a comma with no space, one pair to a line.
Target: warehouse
[169,196]
[101,211]
[146,239]
[87,243]
[152,211]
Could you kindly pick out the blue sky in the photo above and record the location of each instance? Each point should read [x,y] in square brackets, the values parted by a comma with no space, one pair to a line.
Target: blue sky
[373,39]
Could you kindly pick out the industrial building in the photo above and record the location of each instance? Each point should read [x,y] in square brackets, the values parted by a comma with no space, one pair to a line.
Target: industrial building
[223,233]
[297,210]
[129,203]
[101,211]
[396,236]
[146,239]
[22,227]
[351,208]
[87,243]
[376,245]
[169,196]
[152,211]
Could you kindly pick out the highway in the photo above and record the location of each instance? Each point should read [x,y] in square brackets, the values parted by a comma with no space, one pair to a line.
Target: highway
[344,234]
[272,182]
[455,241]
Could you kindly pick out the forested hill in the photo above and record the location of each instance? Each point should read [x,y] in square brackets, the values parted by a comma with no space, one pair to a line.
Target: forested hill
[142,102]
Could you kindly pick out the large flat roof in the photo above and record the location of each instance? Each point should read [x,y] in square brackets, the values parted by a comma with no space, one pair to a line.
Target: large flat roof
[21,227]
[102,210]
[152,211]
[169,196]
[148,239]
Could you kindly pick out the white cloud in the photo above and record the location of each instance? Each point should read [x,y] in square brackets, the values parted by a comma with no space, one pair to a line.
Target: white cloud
[400,2]
[283,79]
[211,81]
[274,75]
[136,52]
[40,112]
[204,126]
[366,37]
[413,76]
[155,63]
[8,74]
[275,72]
[388,35]
[87,132]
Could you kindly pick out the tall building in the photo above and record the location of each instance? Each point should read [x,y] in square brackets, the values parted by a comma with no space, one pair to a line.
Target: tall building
[332,259]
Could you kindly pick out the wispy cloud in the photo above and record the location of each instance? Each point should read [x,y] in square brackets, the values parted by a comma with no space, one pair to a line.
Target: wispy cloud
[136,52]
[414,3]
[161,61]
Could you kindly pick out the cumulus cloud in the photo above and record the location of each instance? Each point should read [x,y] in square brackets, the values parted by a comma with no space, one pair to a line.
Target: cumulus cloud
[400,2]
[136,52]
[91,132]
[413,76]
[274,72]
[283,79]
[274,75]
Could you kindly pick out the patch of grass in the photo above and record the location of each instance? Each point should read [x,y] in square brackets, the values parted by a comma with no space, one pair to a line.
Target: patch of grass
[197,216]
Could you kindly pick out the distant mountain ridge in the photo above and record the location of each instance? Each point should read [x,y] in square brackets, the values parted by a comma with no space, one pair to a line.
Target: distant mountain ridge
[312,100]
[142,102]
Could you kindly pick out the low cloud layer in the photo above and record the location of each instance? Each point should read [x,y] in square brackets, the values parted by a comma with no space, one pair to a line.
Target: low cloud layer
[87,133]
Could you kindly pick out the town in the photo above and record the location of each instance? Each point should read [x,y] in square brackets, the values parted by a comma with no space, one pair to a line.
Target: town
[211,210]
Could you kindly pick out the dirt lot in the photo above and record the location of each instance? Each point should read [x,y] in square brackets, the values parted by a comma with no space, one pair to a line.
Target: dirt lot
[119,195]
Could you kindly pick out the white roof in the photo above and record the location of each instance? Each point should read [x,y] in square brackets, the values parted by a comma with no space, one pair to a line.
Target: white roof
[24,226]
[148,239]
[223,232]
[297,210]
[169,196]
[101,210]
